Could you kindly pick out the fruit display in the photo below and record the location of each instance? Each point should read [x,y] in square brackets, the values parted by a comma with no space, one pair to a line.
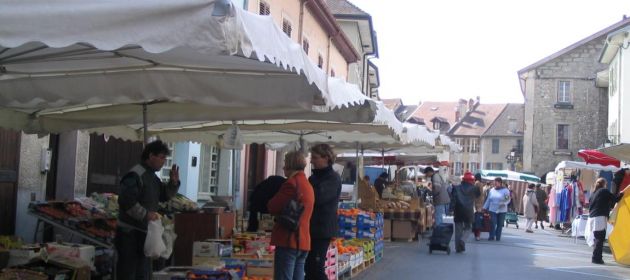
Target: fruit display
[256,278]
[75,216]
[75,209]
[211,275]
[8,242]
[52,211]
[179,203]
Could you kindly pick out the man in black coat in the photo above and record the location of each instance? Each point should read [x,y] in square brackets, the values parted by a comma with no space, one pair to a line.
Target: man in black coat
[140,192]
[327,188]
[463,203]
[380,182]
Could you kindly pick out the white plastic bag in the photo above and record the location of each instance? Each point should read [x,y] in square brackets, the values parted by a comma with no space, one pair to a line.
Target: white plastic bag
[168,237]
[154,245]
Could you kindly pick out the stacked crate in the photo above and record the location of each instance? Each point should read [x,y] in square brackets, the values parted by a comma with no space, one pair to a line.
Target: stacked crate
[331,262]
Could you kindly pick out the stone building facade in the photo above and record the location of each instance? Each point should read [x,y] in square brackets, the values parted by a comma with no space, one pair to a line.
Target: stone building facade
[565,111]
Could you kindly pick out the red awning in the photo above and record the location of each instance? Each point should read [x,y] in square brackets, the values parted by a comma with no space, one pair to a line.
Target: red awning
[597,157]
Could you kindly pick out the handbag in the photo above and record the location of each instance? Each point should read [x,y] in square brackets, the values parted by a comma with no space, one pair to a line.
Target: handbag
[291,212]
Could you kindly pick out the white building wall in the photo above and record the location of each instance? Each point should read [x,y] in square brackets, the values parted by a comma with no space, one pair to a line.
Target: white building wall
[188,174]
[30,180]
[624,94]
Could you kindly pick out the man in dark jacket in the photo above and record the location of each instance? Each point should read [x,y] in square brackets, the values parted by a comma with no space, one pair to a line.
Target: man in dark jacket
[263,192]
[140,192]
[600,204]
[463,203]
[380,182]
[327,188]
[441,198]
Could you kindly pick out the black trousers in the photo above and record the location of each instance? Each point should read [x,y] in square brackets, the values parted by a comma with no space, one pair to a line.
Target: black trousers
[600,236]
[131,264]
[314,267]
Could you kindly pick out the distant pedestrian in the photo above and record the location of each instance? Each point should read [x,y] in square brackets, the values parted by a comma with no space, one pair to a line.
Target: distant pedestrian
[380,183]
[440,194]
[463,202]
[530,207]
[541,196]
[496,204]
[479,202]
[600,204]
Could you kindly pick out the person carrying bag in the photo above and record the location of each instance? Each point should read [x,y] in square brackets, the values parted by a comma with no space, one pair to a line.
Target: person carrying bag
[293,208]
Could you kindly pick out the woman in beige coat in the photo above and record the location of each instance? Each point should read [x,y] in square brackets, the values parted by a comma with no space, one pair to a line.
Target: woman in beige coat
[530,207]
[479,202]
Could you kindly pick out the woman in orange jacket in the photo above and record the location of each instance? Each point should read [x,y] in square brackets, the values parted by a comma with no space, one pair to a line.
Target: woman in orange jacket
[292,247]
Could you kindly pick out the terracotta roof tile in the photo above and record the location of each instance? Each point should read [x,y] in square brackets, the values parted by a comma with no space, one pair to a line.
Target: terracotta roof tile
[429,110]
[392,104]
[478,121]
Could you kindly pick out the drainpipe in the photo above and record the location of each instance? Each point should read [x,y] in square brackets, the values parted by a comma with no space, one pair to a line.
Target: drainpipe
[328,58]
[301,21]
[364,76]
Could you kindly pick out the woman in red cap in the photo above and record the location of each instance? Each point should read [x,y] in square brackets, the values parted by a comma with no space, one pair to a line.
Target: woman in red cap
[463,201]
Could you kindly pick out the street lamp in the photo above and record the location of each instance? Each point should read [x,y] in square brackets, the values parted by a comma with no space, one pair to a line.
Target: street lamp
[512,158]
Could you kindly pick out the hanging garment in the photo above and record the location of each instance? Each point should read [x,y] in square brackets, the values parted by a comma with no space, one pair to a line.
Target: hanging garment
[565,204]
[553,206]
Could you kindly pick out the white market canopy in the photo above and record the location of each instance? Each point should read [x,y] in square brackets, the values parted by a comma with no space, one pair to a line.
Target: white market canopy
[583,165]
[508,175]
[72,64]
[619,151]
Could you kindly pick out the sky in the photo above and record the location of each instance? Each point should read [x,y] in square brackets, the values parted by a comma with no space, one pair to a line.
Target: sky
[450,49]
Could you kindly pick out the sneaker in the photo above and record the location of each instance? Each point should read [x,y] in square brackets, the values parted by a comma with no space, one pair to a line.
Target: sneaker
[477,238]
[598,261]
[529,231]
[542,226]
[490,238]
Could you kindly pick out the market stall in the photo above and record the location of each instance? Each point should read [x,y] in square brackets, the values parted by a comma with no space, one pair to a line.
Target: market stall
[516,181]
[571,185]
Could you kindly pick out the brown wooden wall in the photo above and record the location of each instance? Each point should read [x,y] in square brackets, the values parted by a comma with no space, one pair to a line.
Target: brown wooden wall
[109,161]
[9,167]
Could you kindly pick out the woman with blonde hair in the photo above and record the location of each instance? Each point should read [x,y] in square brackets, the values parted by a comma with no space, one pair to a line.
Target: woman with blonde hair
[292,247]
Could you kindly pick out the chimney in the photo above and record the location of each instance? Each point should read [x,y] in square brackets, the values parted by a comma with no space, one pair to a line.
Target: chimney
[471,105]
[457,115]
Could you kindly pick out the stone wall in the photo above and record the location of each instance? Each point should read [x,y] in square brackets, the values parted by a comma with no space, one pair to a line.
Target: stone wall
[587,119]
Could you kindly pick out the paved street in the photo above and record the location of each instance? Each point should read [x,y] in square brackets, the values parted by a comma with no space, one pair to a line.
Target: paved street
[519,255]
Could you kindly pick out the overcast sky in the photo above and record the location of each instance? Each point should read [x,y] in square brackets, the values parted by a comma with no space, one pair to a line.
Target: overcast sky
[445,50]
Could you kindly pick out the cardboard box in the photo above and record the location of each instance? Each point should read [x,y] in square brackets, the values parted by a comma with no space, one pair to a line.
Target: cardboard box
[260,268]
[403,230]
[208,262]
[212,248]
[81,271]
[387,229]
[23,255]
[82,252]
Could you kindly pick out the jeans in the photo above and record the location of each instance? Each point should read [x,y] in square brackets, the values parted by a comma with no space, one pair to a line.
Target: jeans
[600,236]
[289,264]
[440,212]
[316,261]
[496,225]
[131,264]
